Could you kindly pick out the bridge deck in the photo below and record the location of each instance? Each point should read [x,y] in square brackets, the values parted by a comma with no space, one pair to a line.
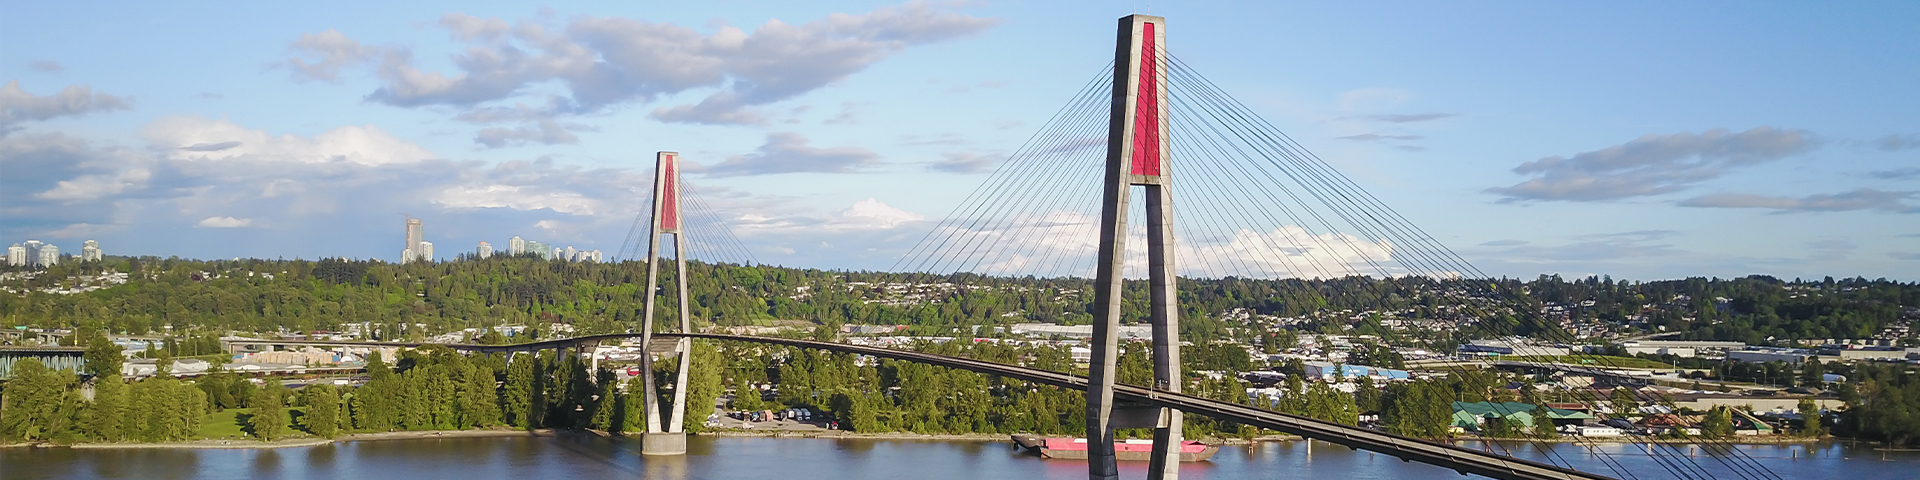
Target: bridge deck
[1464,460]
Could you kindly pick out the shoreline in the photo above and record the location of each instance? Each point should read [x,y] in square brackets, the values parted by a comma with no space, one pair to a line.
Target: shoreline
[211,444]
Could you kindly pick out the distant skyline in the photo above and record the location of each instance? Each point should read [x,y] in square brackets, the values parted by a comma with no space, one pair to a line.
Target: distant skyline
[1638,140]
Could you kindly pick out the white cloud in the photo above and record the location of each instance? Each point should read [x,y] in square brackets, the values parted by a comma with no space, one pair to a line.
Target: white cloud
[544,132]
[790,153]
[91,187]
[17,105]
[606,61]
[865,215]
[515,197]
[1652,164]
[1066,242]
[334,51]
[966,162]
[870,213]
[1858,199]
[224,222]
[194,138]
[82,230]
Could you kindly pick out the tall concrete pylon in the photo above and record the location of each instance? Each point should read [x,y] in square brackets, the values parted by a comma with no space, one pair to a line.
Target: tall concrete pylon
[1137,154]
[669,438]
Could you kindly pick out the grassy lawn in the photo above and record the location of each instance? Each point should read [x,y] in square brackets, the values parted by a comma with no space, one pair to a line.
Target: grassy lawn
[1591,360]
[232,423]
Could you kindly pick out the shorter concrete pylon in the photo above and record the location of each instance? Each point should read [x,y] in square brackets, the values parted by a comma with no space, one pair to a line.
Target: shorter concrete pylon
[666,436]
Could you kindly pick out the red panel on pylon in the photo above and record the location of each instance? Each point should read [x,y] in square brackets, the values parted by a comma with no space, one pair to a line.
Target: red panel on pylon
[1146,108]
[670,195]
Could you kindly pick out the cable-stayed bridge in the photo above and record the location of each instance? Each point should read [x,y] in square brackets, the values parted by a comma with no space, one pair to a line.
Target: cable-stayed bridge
[1151,173]
[1221,194]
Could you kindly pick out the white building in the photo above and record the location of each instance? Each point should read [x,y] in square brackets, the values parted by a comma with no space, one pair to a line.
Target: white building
[516,246]
[1679,348]
[1765,355]
[570,254]
[17,255]
[49,255]
[90,252]
[425,252]
[416,235]
[485,250]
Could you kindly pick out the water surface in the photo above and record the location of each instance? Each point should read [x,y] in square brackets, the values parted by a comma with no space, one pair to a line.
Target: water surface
[523,458]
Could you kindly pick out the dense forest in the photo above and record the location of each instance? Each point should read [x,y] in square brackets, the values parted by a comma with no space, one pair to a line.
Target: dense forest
[431,388]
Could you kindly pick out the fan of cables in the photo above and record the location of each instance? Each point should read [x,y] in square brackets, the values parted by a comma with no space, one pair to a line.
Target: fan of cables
[1251,204]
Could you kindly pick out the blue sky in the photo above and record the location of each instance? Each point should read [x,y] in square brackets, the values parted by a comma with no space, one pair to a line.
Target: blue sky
[1642,140]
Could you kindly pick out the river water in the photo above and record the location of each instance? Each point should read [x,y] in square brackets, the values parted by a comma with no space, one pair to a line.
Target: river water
[522,458]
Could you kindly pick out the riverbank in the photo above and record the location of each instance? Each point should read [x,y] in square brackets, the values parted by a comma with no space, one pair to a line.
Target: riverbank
[315,441]
[1740,440]
[308,441]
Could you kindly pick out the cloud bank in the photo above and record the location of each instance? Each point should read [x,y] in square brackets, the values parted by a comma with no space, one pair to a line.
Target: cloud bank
[1652,165]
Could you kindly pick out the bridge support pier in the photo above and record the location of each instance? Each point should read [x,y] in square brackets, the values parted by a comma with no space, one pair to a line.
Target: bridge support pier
[1137,154]
[663,443]
[666,432]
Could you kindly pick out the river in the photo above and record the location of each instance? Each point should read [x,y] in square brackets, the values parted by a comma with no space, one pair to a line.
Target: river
[522,458]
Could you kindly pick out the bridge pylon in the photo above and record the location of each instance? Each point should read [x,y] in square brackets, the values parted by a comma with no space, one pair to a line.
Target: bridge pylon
[666,436]
[1138,153]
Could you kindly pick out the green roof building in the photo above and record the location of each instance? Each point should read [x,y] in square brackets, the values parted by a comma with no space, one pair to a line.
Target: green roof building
[1472,415]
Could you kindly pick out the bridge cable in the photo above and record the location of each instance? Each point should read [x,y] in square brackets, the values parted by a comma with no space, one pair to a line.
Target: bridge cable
[1376,203]
[1282,203]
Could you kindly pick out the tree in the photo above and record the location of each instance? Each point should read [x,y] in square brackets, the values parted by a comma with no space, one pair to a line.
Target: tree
[1812,374]
[109,409]
[633,407]
[163,367]
[1810,419]
[269,412]
[36,402]
[103,357]
[1718,424]
[323,410]
[1366,396]
[479,399]
[377,366]
[492,337]
[1543,423]
[164,410]
[606,404]
[1419,409]
[1623,402]
[519,392]
[703,385]
[1497,426]
[1325,403]
[745,397]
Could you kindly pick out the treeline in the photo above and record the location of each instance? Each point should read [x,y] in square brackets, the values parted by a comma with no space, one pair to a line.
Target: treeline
[418,299]
[895,396]
[42,404]
[431,388]
[1885,404]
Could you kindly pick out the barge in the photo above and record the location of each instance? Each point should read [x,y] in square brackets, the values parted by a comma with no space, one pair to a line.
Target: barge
[1127,450]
